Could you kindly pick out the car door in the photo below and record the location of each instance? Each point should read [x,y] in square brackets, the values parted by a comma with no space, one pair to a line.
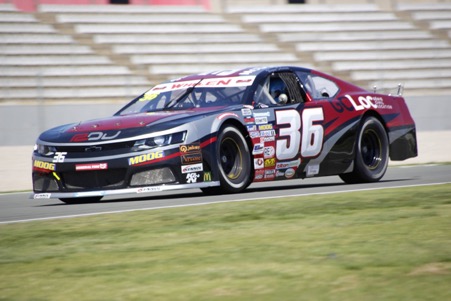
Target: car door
[301,133]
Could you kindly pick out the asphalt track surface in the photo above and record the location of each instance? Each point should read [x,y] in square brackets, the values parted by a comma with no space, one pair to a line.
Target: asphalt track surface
[17,207]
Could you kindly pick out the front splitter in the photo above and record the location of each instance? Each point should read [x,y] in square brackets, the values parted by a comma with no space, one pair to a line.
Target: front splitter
[125,191]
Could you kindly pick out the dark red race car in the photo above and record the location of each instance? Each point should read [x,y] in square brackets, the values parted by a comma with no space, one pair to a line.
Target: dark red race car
[223,130]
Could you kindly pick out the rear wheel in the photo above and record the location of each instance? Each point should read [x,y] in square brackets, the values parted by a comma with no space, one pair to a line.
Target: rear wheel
[371,153]
[233,161]
[94,199]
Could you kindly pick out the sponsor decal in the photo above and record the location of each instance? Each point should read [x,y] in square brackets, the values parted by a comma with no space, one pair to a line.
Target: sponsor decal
[145,158]
[207,176]
[251,128]
[254,134]
[312,170]
[259,163]
[269,133]
[42,196]
[379,101]
[192,168]
[261,120]
[249,120]
[265,127]
[269,152]
[262,114]
[94,136]
[366,102]
[259,174]
[289,173]
[191,159]
[44,165]
[91,166]
[267,139]
[270,174]
[288,164]
[148,189]
[190,154]
[189,148]
[246,112]
[148,96]
[238,81]
[270,162]
[280,173]
[192,177]
[258,149]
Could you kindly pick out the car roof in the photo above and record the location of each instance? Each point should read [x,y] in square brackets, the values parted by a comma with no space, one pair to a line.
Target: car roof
[256,71]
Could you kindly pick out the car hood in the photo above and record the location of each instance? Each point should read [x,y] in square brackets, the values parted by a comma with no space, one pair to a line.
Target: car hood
[122,127]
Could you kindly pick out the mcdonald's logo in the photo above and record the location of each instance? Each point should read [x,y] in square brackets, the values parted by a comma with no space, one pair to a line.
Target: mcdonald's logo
[207,176]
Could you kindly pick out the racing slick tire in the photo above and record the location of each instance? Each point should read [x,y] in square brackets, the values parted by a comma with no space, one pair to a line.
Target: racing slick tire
[94,199]
[371,153]
[233,160]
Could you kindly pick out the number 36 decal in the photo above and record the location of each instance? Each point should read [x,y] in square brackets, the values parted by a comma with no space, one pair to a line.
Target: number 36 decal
[295,133]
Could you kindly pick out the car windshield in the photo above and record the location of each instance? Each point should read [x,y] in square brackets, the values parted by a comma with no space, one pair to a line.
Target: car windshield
[200,93]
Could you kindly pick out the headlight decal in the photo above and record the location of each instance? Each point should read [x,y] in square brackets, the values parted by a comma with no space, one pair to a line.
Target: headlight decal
[159,141]
[45,150]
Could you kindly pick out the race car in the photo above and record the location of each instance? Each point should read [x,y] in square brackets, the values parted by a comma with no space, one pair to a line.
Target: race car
[222,131]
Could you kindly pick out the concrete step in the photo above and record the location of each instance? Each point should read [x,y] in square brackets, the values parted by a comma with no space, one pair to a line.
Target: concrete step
[402,74]
[63,71]
[409,7]
[382,55]
[35,38]
[357,36]
[174,71]
[25,28]
[74,92]
[242,58]
[74,81]
[150,18]
[195,48]
[311,8]
[157,28]
[325,17]
[54,60]
[388,65]
[335,27]
[25,49]
[414,84]
[174,38]
[444,24]
[7,7]
[13,17]
[370,45]
[127,9]
[432,15]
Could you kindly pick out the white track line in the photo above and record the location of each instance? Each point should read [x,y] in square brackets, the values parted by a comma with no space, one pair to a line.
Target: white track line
[216,202]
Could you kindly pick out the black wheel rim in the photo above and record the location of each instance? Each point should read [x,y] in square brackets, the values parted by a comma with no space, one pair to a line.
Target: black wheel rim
[231,158]
[371,149]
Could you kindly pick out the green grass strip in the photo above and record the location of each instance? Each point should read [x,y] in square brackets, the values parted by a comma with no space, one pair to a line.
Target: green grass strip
[392,244]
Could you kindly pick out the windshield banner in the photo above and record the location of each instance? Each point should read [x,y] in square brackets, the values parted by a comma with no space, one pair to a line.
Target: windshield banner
[237,81]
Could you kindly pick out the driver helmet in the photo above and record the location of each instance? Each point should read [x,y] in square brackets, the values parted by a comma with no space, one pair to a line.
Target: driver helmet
[276,88]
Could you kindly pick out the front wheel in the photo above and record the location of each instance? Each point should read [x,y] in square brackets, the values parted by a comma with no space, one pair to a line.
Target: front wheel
[233,161]
[371,153]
